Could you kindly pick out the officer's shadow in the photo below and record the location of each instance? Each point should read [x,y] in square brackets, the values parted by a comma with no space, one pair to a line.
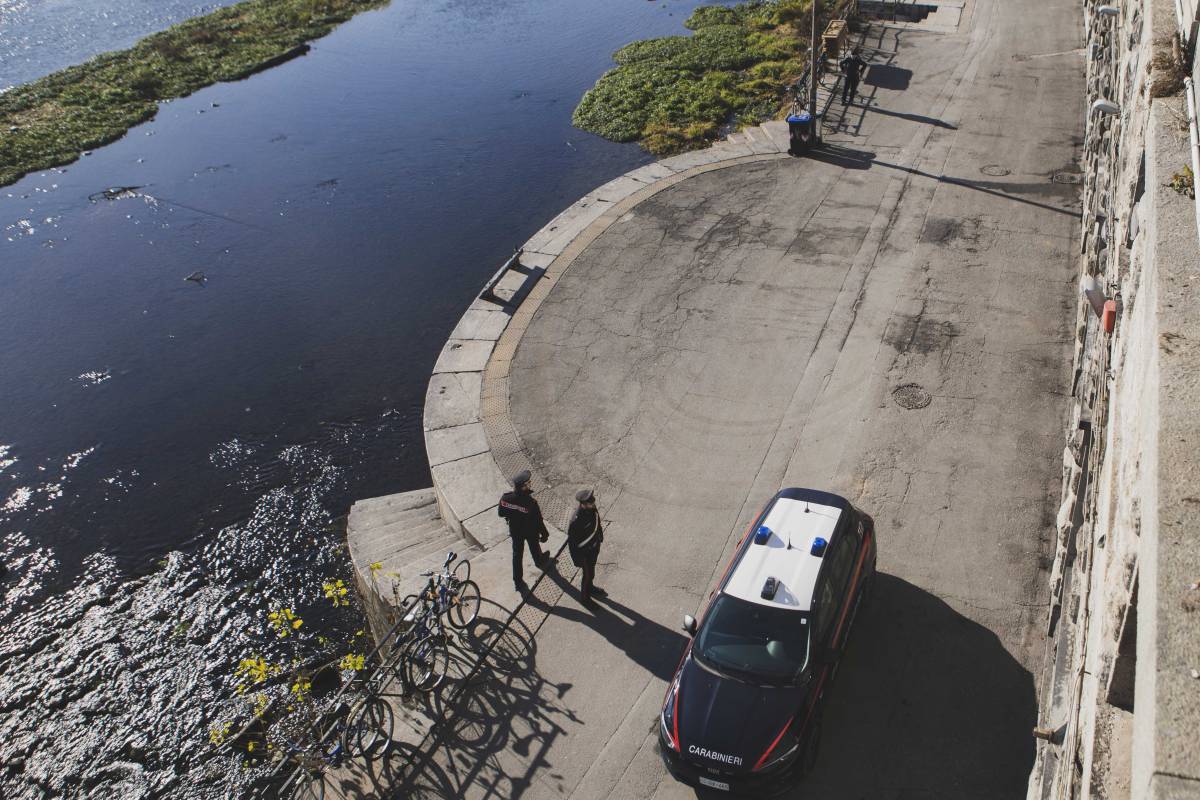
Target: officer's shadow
[650,645]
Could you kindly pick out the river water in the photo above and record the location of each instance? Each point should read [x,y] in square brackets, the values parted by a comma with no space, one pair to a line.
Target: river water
[172,451]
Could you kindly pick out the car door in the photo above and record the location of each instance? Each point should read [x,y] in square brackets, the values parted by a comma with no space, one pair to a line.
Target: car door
[838,570]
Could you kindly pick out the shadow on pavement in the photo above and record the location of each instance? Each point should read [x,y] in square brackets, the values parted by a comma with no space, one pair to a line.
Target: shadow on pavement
[982,186]
[495,732]
[839,156]
[651,646]
[498,729]
[849,158]
[888,76]
[938,123]
[928,704]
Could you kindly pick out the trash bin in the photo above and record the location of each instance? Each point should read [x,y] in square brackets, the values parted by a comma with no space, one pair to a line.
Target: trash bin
[804,132]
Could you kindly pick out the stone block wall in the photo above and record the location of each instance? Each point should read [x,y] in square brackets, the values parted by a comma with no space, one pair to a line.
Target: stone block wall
[1120,713]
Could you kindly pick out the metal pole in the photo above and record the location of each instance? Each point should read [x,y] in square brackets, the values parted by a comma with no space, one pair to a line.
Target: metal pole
[1194,139]
[812,70]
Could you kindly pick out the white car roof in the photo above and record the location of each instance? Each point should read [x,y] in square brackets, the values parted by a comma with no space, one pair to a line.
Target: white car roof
[794,567]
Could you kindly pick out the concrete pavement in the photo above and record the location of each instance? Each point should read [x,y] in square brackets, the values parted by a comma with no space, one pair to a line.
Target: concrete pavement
[890,320]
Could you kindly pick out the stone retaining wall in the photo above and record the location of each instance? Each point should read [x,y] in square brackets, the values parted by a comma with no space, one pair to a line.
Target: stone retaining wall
[1121,692]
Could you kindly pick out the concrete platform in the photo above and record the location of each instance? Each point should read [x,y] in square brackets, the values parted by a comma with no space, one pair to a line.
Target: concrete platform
[725,322]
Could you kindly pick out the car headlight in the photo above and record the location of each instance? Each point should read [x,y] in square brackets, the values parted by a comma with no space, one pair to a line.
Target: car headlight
[785,751]
[666,720]
[783,748]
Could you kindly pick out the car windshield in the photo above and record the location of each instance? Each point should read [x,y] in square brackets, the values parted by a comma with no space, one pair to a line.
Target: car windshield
[754,642]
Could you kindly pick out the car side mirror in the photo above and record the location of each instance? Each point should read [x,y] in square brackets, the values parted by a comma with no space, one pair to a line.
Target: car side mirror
[689,624]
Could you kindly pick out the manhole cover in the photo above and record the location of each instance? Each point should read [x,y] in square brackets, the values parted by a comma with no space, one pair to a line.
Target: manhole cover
[1067,177]
[911,395]
[995,170]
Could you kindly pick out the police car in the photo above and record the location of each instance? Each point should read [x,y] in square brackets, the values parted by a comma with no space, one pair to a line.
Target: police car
[743,711]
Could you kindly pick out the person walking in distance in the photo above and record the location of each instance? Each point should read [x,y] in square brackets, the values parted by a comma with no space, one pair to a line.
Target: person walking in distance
[584,536]
[525,525]
[852,68]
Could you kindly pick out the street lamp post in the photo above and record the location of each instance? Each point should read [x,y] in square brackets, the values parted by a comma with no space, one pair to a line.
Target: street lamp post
[812,69]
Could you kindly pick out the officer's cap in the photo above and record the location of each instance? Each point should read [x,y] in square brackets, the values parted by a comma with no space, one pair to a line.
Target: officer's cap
[521,478]
[585,495]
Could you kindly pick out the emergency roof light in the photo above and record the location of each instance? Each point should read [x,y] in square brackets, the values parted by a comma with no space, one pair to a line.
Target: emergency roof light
[762,535]
[818,547]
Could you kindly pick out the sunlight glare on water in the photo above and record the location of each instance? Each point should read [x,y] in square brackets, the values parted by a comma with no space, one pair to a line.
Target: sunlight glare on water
[217,332]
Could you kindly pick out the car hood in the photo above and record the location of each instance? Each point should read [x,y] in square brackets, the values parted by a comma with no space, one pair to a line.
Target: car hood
[727,725]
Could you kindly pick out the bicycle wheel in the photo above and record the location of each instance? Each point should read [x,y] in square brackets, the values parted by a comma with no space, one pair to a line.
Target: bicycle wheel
[368,728]
[462,571]
[425,663]
[464,604]
[311,786]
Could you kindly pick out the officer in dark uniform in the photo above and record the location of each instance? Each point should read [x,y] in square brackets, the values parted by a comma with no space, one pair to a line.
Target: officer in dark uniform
[584,536]
[525,525]
[852,67]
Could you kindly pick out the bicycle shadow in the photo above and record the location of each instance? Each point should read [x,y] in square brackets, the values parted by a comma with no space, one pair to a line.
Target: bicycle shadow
[496,722]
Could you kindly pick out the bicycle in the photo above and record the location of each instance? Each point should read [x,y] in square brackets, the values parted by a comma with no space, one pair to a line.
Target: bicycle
[426,657]
[453,592]
[364,731]
[419,656]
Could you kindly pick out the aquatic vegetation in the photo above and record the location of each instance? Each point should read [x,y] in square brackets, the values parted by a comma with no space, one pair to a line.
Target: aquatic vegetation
[674,93]
[282,699]
[51,121]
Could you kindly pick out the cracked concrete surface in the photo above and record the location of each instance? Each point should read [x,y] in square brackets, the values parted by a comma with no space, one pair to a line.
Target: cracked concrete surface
[743,330]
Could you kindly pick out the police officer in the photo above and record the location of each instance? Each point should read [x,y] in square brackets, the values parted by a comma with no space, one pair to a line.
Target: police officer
[852,67]
[584,536]
[525,525]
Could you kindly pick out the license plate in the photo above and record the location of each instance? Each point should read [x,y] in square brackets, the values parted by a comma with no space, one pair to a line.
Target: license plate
[713,784]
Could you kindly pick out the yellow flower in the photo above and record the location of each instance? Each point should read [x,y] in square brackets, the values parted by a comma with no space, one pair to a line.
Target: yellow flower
[284,622]
[336,591]
[257,669]
[352,661]
[218,733]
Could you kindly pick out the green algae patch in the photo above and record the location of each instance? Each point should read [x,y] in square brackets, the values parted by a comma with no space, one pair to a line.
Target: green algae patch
[50,121]
[675,93]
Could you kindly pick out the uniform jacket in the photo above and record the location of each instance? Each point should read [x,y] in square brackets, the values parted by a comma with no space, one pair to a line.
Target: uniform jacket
[523,514]
[584,523]
[852,67]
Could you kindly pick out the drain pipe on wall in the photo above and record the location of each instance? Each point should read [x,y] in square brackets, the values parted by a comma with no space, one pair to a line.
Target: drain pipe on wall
[1190,90]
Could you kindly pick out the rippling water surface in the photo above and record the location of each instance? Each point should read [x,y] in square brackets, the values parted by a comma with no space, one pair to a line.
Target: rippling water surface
[173,451]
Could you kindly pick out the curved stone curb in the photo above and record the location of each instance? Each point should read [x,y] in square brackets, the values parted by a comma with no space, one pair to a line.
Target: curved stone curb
[469,436]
